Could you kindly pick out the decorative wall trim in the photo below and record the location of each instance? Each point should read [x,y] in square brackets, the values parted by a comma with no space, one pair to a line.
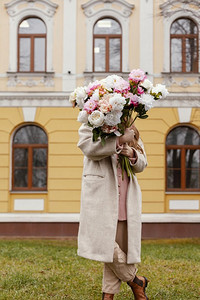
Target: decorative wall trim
[170,79]
[22,99]
[184,114]
[65,217]
[122,15]
[16,79]
[16,13]
[170,12]
[29,114]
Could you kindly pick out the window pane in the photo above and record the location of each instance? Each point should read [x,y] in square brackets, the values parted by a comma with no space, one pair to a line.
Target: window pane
[107,26]
[32,25]
[21,157]
[192,179]
[39,54]
[176,55]
[183,135]
[174,158]
[30,135]
[173,179]
[184,26]
[192,158]
[24,54]
[21,177]
[39,178]
[191,55]
[99,55]
[114,54]
[39,157]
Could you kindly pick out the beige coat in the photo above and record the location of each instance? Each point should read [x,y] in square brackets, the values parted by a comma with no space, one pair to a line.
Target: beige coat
[99,201]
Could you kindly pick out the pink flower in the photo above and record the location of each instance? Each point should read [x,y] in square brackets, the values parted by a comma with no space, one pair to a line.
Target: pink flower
[90,106]
[137,76]
[140,90]
[92,86]
[121,86]
[134,99]
[108,129]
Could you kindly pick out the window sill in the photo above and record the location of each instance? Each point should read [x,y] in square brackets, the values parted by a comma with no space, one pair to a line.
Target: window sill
[182,193]
[180,74]
[28,192]
[30,74]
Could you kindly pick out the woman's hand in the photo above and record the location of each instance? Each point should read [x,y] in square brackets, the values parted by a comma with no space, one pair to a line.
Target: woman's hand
[127,137]
[127,151]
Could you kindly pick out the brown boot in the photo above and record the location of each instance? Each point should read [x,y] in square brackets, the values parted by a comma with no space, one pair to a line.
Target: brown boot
[138,286]
[106,296]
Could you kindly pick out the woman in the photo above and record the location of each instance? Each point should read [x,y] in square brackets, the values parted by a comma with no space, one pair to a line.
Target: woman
[110,219]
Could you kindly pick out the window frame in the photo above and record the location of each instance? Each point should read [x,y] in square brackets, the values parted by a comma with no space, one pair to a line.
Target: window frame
[30,148]
[107,37]
[183,38]
[32,37]
[182,148]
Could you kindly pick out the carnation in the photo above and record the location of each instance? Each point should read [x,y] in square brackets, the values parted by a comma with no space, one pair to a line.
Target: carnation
[160,88]
[96,119]
[83,116]
[113,118]
[90,106]
[147,100]
[147,84]
[137,76]
[117,101]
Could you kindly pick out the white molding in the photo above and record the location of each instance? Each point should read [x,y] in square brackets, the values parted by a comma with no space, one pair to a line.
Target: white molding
[29,114]
[75,217]
[29,204]
[184,114]
[121,15]
[184,204]
[69,45]
[146,37]
[16,15]
[170,14]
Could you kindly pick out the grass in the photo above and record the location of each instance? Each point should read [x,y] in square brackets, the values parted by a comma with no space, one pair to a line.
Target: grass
[51,269]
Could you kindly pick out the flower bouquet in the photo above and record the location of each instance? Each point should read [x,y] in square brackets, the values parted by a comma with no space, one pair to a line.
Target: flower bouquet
[108,105]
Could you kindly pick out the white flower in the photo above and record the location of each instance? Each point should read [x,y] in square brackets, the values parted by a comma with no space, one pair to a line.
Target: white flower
[147,84]
[96,118]
[81,95]
[72,97]
[83,116]
[160,88]
[110,81]
[95,95]
[117,102]
[147,100]
[113,118]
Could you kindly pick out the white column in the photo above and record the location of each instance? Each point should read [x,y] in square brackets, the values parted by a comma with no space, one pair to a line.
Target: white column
[69,45]
[146,36]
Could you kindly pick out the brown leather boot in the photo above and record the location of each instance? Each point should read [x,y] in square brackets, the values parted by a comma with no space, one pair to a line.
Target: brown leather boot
[138,286]
[106,296]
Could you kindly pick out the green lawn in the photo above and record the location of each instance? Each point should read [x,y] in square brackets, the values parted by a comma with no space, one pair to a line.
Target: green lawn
[51,269]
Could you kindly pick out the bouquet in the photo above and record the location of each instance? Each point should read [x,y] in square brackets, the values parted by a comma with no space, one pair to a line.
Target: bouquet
[108,105]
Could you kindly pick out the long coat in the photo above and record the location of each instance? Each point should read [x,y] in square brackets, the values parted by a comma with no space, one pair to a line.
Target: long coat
[99,201]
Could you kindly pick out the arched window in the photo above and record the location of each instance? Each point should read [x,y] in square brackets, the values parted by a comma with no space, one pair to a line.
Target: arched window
[107,46]
[29,163]
[183,159]
[184,46]
[32,45]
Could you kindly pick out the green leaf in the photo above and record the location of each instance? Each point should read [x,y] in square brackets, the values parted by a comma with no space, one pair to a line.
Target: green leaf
[143,117]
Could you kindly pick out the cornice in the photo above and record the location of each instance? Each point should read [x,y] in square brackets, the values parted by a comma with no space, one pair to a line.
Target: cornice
[89,10]
[13,9]
[169,7]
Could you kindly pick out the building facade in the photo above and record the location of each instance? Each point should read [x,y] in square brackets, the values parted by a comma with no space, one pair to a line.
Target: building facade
[49,47]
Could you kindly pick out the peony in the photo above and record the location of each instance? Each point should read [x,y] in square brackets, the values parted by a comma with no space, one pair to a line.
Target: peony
[81,96]
[136,76]
[104,105]
[83,116]
[134,99]
[140,90]
[90,106]
[147,84]
[96,118]
[93,86]
[117,101]
[147,100]
[113,118]
[95,95]
[160,88]
[121,85]
[72,97]
[110,81]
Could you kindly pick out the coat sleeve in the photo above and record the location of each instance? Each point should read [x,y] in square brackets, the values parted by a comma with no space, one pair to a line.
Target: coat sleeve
[141,162]
[95,150]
